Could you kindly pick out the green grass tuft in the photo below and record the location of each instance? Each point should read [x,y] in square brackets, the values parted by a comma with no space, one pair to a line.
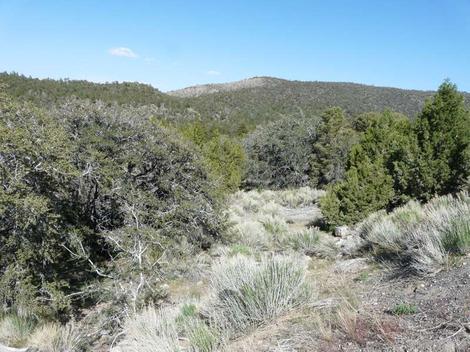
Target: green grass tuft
[404,309]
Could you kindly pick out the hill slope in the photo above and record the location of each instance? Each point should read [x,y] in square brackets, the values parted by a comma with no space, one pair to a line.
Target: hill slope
[253,101]
[49,91]
[260,96]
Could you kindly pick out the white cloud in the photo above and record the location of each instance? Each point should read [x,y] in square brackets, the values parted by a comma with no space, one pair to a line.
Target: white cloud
[123,52]
[213,73]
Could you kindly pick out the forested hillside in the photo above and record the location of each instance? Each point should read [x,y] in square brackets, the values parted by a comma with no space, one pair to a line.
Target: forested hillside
[243,104]
[262,97]
[42,91]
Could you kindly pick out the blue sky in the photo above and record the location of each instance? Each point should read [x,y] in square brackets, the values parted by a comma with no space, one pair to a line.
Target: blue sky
[172,44]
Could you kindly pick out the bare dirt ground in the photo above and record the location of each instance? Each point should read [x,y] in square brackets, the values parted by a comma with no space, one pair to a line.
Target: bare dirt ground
[442,318]
[366,321]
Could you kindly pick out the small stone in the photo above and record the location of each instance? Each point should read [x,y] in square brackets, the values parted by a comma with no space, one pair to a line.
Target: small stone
[351,265]
[341,231]
[448,347]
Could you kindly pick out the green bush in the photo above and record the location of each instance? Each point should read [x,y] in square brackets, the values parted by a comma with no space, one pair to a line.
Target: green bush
[380,171]
[278,154]
[226,160]
[84,185]
[443,134]
[366,188]
[224,156]
[330,152]
[37,211]
[389,138]
[431,157]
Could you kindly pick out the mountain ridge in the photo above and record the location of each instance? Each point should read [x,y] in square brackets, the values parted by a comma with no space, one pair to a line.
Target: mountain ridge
[268,81]
[252,101]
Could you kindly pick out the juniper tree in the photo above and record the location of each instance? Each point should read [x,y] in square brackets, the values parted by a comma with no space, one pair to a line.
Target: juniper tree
[443,135]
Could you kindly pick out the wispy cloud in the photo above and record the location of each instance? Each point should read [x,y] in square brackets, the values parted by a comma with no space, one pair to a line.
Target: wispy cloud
[213,73]
[123,52]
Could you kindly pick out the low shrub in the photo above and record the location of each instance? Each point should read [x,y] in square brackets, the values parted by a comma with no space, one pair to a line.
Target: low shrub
[420,237]
[170,329]
[306,241]
[202,337]
[260,218]
[15,329]
[295,197]
[53,337]
[239,249]
[152,330]
[247,293]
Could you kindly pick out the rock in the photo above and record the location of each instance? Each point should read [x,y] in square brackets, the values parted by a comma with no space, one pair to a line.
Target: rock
[350,245]
[341,231]
[351,265]
[448,346]
[463,346]
[326,303]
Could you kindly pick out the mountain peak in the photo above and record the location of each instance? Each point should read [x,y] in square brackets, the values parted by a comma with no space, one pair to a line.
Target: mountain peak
[204,89]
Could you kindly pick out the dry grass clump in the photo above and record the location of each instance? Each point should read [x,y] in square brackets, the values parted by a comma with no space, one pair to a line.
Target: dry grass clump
[294,198]
[270,201]
[15,329]
[53,337]
[306,241]
[201,336]
[309,241]
[259,218]
[20,331]
[346,321]
[170,329]
[152,330]
[246,293]
[419,237]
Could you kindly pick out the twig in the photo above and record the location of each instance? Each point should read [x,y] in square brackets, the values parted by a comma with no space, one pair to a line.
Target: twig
[458,332]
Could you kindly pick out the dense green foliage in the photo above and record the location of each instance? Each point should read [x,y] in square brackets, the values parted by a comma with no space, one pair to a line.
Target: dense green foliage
[330,152]
[47,91]
[224,155]
[36,178]
[89,198]
[366,188]
[410,160]
[443,134]
[236,107]
[278,154]
[261,99]
[389,139]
